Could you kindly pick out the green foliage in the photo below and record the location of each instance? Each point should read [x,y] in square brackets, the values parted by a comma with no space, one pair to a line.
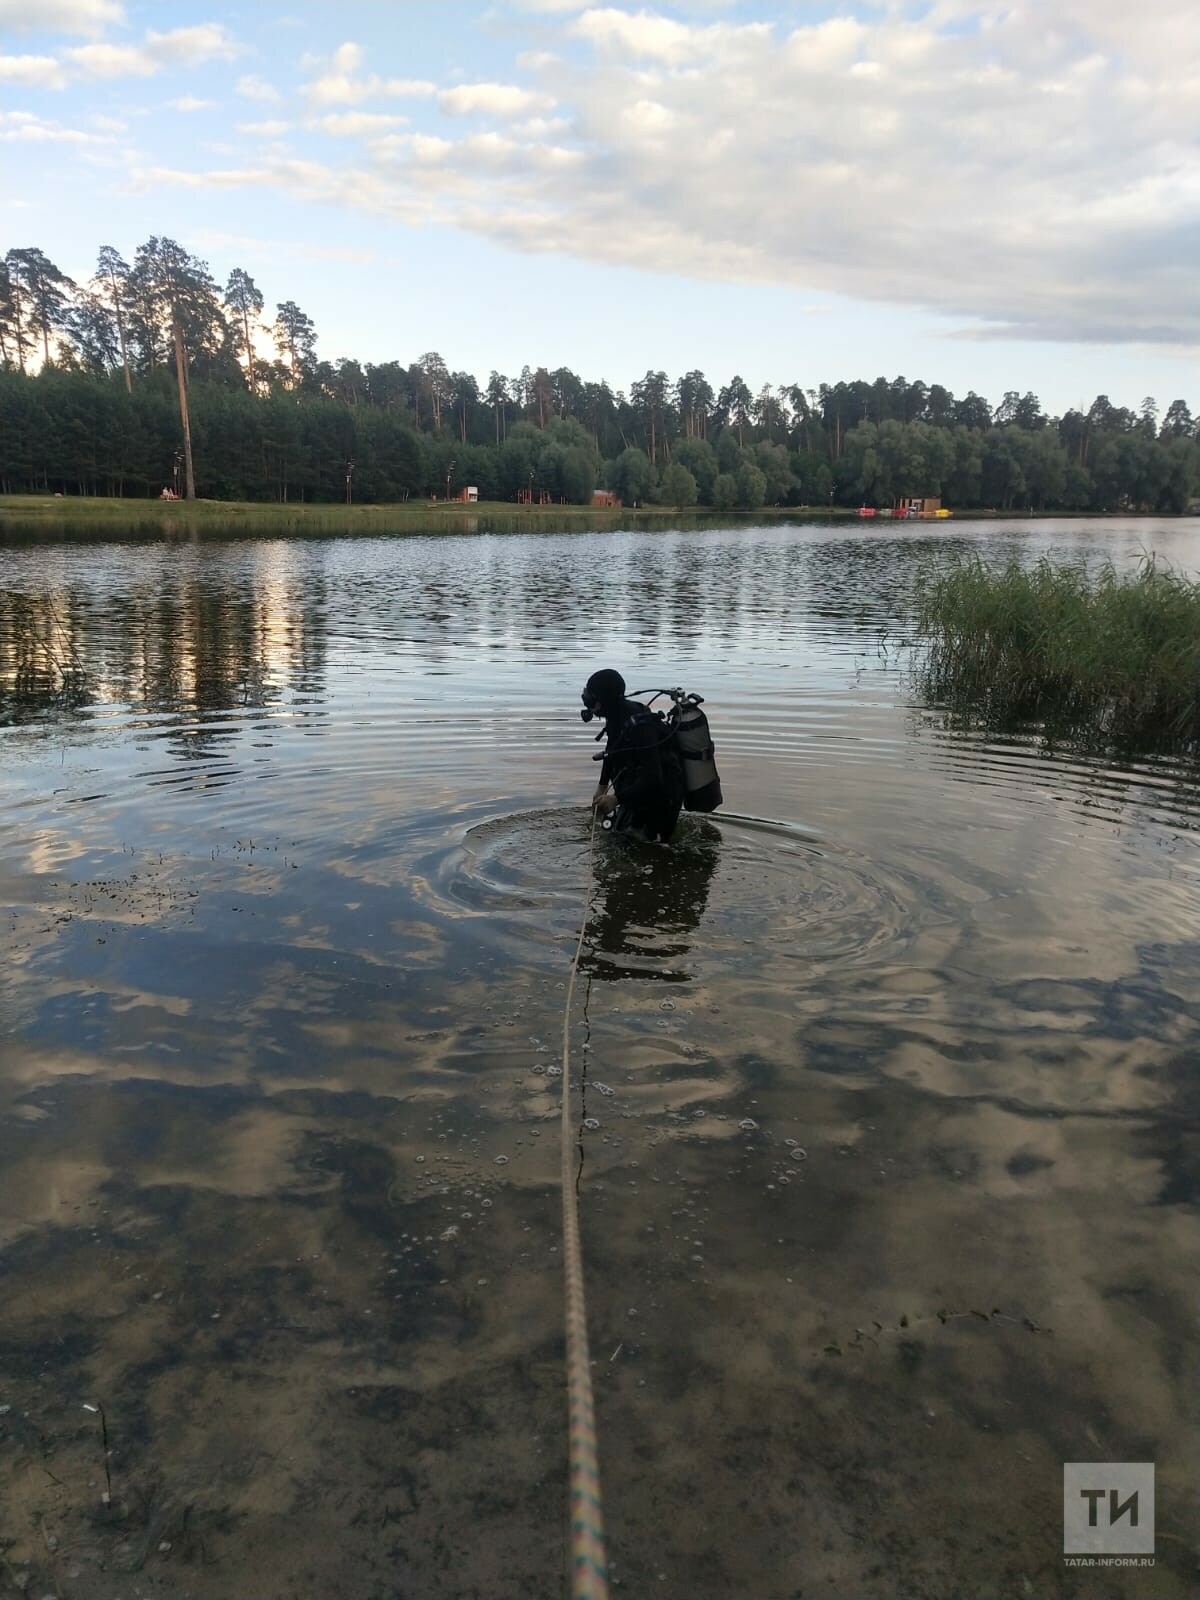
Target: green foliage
[725,492]
[698,456]
[775,464]
[751,487]
[1114,657]
[729,451]
[577,475]
[632,477]
[677,487]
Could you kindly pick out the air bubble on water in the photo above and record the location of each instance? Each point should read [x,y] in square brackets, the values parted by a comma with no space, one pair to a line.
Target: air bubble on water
[799,1155]
[591,1123]
[791,1142]
[666,1005]
[538,1068]
[748,1125]
[602,1088]
[501,1161]
[420,1159]
[485,1203]
[554,1072]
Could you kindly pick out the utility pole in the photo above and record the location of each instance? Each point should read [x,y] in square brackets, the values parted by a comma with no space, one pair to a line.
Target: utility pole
[349,483]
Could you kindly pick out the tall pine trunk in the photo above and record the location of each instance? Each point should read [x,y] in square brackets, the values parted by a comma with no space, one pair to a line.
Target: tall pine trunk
[121,333]
[249,349]
[181,375]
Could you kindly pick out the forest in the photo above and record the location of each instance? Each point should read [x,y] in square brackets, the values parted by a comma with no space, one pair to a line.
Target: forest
[151,376]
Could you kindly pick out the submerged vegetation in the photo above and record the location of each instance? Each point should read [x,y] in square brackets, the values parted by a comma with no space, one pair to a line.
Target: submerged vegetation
[1109,656]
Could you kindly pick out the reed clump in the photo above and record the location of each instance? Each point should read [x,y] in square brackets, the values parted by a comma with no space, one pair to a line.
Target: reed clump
[1115,656]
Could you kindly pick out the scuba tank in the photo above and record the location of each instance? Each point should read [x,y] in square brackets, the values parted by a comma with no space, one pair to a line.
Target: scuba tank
[693,742]
[694,747]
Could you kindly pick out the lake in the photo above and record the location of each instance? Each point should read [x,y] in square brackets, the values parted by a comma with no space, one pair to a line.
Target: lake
[889,1177]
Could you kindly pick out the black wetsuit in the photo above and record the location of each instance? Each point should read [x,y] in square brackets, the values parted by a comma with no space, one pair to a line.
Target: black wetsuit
[646,775]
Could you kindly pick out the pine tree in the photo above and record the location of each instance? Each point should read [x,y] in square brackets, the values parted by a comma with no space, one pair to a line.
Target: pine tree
[112,279]
[243,298]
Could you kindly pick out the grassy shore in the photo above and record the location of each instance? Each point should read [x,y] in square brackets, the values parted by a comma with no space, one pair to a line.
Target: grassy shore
[1114,656]
[101,512]
[83,515]
[29,513]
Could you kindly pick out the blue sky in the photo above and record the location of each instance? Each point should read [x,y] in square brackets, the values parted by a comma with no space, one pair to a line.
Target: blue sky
[990,194]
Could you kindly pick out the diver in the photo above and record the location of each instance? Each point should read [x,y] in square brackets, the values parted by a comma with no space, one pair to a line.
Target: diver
[641,788]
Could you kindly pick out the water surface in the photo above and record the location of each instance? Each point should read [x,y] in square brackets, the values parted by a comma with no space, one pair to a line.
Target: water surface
[889,1170]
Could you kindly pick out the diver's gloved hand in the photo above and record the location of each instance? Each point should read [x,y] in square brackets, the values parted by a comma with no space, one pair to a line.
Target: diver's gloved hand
[604,801]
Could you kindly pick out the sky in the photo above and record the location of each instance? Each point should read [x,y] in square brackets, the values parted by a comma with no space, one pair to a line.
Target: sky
[987,194]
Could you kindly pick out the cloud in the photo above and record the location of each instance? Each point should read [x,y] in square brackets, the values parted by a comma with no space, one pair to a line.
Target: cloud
[643,35]
[180,47]
[540,127]
[252,87]
[341,82]
[189,102]
[228,178]
[33,72]
[1027,171]
[26,128]
[87,17]
[490,99]
[191,47]
[428,147]
[357,124]
[265,130]
[114,61]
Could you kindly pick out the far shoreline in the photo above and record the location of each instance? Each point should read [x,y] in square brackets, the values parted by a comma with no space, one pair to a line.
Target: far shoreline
[30,514]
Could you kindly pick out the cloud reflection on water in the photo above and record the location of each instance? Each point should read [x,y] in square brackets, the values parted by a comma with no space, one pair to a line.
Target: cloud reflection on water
[269,1029]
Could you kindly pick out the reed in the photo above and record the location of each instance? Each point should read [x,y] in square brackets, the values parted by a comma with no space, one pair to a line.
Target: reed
[1114,656]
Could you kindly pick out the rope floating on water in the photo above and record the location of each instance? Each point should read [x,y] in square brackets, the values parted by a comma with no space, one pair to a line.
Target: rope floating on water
[589,1570]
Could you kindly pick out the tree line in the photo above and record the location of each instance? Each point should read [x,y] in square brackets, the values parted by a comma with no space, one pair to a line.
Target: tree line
[152,375]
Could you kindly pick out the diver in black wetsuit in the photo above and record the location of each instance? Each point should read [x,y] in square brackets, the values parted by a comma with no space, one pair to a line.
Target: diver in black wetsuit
[641,781]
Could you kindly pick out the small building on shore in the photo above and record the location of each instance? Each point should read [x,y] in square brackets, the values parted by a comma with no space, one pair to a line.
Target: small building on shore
[605,497]
[920,505]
